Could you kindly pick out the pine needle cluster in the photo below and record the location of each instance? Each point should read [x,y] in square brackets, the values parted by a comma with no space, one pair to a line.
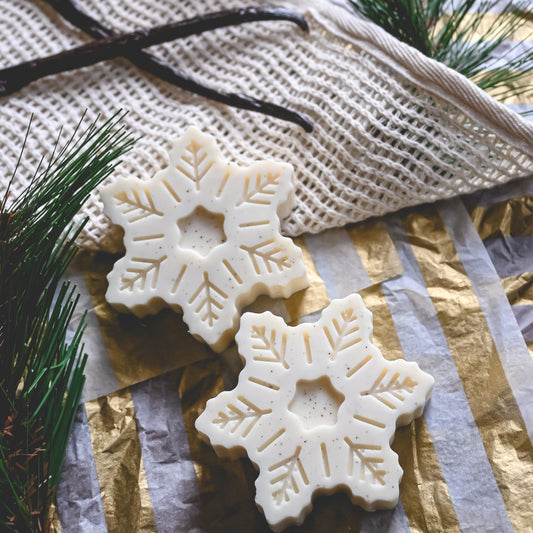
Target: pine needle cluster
[41,359]
[454,33]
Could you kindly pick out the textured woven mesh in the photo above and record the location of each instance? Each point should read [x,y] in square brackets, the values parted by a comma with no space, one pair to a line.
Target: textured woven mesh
[380,142]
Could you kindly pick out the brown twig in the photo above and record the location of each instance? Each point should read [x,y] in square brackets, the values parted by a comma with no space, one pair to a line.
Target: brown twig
[110,45]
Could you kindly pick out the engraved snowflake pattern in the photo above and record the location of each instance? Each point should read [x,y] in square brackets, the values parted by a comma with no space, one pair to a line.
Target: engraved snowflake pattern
[203,237]
[315,409]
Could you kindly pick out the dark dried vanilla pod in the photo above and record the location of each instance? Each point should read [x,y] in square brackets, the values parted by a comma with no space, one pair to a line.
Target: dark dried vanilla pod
[111,45]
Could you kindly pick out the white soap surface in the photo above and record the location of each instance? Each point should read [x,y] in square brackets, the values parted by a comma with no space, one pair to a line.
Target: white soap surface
[315,409]
[203,237]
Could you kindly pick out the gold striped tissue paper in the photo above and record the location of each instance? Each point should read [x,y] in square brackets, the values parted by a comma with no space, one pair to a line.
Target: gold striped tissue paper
[449,286]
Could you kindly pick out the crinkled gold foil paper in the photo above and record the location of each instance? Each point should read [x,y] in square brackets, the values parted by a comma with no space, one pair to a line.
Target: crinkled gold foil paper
[53,518]
[118,459]
[226,487]
[476,358]
[139,350]
[512,217]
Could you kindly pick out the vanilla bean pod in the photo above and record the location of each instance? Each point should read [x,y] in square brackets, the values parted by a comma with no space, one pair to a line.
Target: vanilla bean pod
[111,45]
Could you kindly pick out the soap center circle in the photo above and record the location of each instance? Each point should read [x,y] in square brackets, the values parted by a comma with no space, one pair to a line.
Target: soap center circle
[201,230]
[316,402]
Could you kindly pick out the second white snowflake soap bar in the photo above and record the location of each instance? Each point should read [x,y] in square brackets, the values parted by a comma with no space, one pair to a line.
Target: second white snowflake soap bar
[315,409]
[203,237]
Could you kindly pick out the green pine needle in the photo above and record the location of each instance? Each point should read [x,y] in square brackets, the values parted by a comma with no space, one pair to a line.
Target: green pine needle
[452,37]
[41,374]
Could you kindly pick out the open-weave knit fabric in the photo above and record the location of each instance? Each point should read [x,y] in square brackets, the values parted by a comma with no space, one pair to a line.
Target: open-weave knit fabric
[392,128]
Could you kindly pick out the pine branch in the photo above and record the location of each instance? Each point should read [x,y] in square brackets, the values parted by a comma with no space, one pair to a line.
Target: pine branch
[41,374]
[456,38]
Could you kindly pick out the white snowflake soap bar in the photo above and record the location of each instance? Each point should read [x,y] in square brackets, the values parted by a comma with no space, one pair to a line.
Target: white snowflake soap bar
[315,409]
[203,237]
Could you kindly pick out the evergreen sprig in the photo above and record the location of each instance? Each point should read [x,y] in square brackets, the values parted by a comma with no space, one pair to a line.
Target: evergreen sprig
[41,367]
[451,33]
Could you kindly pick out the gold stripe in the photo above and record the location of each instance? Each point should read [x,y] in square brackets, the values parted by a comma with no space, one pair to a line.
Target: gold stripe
[530,348]
[312,299]
[376,250]
[385,336]
[423,490]
[525,97]
[510,218]
[498,418]
[128,338]
[489,22]
[119,465]
[519,289]
[53,518]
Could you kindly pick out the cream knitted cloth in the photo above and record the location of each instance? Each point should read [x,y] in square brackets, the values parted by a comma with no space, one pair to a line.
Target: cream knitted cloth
[392,128]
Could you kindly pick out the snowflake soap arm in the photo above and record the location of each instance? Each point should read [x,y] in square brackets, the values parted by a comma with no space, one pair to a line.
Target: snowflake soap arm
[315,409]
[203,238]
